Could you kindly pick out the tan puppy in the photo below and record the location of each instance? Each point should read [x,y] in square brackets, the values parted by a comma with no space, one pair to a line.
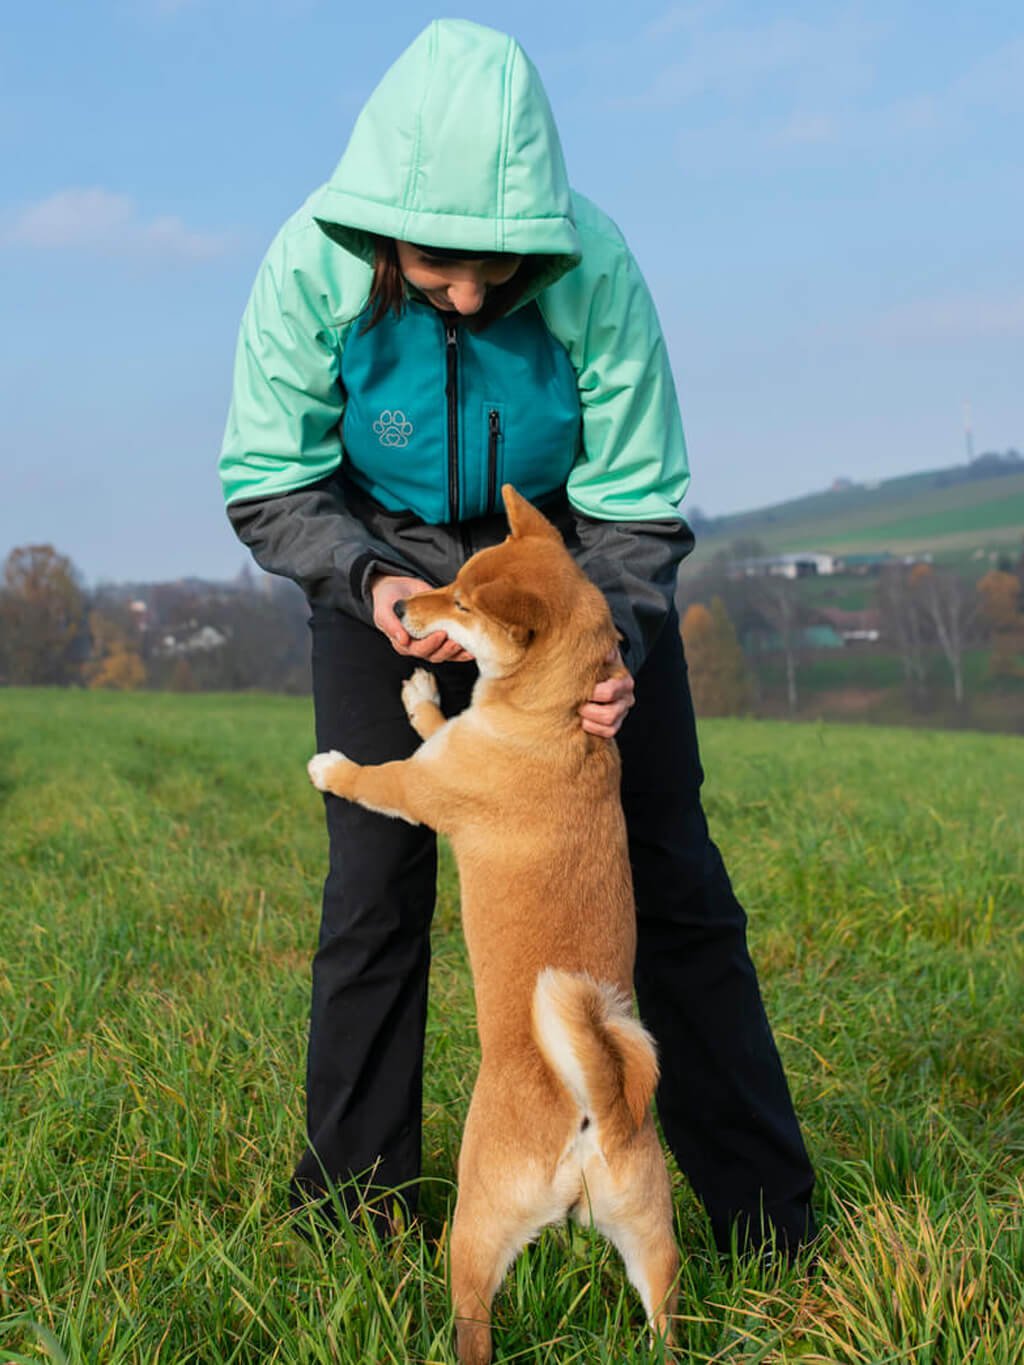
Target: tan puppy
[560,1118]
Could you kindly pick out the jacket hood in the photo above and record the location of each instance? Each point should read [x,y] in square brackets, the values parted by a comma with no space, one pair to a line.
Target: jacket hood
[456,147]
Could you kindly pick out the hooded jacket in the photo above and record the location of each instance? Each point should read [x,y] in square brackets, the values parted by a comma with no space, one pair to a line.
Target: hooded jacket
[350,451]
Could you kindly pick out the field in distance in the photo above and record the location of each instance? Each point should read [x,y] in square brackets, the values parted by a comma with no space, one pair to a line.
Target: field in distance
[160,864]
[940,512]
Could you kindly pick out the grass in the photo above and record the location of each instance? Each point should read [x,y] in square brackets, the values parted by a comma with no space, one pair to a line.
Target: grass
[160,858]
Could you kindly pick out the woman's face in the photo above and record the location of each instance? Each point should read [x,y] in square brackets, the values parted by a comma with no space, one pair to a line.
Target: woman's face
[454,286]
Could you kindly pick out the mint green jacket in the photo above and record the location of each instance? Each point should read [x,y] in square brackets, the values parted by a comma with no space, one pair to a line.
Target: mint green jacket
[455,148]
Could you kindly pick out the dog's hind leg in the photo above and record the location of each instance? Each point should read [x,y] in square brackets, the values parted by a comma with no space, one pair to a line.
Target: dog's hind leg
[503,1203]
[422,702]
[481,1251]
[486,1238]
[630,1202]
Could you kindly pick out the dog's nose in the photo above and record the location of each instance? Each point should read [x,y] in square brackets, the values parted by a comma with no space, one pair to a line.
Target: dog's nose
[400,608]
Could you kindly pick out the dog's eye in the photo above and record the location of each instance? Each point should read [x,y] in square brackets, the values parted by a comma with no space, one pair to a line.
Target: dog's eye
[460,607]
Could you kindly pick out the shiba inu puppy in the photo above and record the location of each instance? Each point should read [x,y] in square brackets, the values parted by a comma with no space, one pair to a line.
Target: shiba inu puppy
[559,1122]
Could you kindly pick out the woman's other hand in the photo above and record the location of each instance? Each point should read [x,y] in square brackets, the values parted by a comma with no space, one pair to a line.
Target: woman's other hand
[610,703]
[386,590]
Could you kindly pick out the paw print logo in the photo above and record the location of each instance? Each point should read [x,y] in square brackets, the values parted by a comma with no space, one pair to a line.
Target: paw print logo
[393,428]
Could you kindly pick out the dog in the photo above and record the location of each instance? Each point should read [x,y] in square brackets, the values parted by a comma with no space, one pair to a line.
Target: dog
[559,1123]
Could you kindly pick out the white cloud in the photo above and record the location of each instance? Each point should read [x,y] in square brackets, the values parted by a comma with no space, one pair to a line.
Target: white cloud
[995,80]
[681,17]
[98,220]
[734,62]
[954,317]
[806,128]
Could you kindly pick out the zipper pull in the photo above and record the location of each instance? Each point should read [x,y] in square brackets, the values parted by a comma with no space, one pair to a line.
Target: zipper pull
[451,334]
[494,423]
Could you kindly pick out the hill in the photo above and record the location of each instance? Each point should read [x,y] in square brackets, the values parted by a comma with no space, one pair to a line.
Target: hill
[949,513]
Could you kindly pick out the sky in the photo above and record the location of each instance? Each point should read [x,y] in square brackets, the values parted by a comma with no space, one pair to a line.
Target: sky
[826,199]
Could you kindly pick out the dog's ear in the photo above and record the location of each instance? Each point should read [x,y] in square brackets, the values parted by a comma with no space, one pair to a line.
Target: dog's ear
[523,517]
[519,610]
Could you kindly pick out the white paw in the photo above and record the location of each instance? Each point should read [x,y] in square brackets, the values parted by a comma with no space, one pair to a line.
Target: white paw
[421,687]
[319,768]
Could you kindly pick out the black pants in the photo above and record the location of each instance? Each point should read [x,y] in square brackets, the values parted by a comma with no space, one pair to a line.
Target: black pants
[723,1100]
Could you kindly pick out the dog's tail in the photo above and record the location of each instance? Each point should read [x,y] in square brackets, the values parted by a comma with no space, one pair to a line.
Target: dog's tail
[590,1038]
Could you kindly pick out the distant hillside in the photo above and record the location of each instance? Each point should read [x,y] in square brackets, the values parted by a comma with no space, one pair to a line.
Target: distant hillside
[945,511]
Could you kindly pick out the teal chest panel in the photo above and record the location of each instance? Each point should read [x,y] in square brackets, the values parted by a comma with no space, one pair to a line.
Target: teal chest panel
[437,417]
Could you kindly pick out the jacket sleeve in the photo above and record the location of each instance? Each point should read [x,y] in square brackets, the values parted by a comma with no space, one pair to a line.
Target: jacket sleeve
[282,444]
[635,564]
[310,536]
[626,488]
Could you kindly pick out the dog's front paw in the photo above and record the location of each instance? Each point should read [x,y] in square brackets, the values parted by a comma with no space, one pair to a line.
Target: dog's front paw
[321,766]
[421,687]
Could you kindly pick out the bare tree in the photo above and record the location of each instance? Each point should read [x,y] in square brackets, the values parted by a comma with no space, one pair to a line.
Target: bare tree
[950,605]
[777,601]
[903,622]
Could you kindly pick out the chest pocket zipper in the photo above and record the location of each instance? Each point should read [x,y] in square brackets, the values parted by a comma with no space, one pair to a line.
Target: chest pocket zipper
[493,437]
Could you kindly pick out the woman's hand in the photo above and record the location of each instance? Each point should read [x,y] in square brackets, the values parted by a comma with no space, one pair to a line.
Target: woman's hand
[604,713]
[386,590]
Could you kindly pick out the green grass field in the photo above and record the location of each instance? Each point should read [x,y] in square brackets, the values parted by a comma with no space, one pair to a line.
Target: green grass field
[160,858]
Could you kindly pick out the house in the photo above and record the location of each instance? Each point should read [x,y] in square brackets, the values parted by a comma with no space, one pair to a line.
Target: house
[864,563]
[804,564]
[853,627]
[193,640]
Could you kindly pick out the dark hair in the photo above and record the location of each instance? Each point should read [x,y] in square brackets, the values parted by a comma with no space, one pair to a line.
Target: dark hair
[388,290]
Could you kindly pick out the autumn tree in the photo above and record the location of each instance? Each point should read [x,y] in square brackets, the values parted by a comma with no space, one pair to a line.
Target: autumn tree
[42,613]
[115,661]
[719,677]
[1002,597]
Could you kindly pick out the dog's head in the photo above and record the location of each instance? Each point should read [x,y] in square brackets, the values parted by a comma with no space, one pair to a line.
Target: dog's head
[516,598]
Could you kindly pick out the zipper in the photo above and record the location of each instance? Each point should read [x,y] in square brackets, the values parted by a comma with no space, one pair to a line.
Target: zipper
[493,435]
[451,340]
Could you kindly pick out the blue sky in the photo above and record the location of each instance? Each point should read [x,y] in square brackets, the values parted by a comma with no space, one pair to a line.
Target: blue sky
[826,199]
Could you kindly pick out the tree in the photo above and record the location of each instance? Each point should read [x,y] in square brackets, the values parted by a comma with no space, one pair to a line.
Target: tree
[42,613]
[115,661]
[259,637]
[950,606]
[719,677]
[777,602]
[182,679]
[1000,595]
[746,547]
[903,622]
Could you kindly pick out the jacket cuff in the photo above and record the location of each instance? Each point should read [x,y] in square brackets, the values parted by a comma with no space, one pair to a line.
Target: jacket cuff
[364,566]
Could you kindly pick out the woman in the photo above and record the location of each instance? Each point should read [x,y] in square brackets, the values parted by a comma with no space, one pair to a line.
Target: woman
[443,316]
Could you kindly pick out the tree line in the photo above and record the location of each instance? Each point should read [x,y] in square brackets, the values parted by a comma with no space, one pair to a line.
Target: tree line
[252,633]
[923,612]
[182,636]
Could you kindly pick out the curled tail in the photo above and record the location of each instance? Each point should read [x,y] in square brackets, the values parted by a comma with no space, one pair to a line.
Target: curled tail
[589,1036]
